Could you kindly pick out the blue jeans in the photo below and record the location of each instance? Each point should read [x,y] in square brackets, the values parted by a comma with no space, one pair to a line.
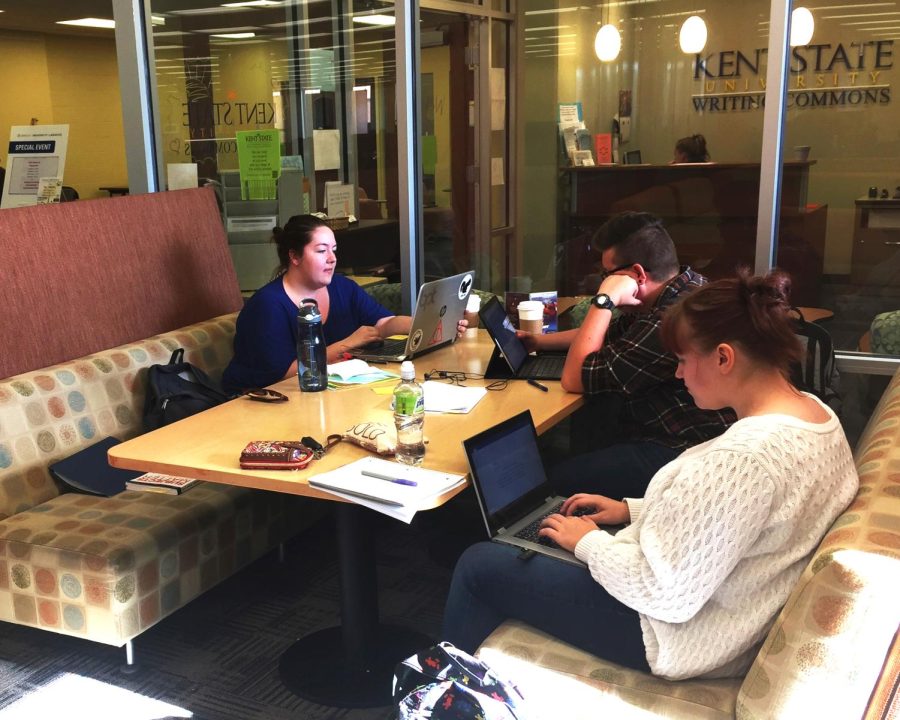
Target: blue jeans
[491,584]
[617,471]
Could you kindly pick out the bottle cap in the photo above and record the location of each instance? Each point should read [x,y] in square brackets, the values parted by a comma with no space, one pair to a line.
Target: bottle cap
[308,311]
[407,370]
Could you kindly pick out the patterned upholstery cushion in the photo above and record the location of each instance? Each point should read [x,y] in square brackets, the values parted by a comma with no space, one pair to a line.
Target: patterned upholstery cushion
[576,685]
[824,654]
[109,568]
[885,331]
[51,413]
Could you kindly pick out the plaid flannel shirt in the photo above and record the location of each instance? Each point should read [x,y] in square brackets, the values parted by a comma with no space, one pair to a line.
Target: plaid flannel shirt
[632,362]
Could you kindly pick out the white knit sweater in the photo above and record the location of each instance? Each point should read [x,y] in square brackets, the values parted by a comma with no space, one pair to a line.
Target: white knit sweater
[721,538]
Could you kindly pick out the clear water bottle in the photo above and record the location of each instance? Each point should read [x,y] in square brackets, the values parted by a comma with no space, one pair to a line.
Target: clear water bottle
[312,367]
[409,417]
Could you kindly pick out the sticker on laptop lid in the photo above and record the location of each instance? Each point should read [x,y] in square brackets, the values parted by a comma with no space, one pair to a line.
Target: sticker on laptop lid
[465,286]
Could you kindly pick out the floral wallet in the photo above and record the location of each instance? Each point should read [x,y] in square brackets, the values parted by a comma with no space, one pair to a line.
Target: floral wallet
[276,455]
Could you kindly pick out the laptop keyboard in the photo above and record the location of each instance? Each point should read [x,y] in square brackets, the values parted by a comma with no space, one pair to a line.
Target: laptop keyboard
[392,347]
[530,531]
[545,365]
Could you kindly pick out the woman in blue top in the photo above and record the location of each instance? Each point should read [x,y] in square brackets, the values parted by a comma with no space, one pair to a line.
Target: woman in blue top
[265,341]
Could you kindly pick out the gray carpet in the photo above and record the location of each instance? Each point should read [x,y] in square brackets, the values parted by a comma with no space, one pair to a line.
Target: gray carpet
[217,658]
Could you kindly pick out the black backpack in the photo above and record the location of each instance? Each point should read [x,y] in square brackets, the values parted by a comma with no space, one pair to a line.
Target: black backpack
[817,373]
[176,391]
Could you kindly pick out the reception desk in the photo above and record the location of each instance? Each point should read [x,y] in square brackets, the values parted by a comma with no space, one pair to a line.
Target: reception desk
[709,209]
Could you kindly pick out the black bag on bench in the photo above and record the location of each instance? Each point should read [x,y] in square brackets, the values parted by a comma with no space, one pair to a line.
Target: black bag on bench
[176,391]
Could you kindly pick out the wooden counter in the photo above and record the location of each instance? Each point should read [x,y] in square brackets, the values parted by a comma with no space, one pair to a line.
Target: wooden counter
[709,209]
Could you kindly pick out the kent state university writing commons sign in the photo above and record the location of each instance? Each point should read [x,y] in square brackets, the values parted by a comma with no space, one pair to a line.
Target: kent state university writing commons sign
[825,75]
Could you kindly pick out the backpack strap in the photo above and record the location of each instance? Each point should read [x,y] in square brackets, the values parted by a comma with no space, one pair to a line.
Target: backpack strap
[177,356]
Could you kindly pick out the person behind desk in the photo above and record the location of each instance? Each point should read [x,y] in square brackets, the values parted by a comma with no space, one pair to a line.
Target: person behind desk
[691,149]
[623,360]
[691,586]
[265,341]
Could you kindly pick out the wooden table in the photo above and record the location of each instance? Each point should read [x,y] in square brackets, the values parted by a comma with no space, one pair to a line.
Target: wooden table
[350,665]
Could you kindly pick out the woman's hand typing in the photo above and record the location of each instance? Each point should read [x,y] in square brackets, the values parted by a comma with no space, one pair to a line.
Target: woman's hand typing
[598,509]
[361,336]
[566,531]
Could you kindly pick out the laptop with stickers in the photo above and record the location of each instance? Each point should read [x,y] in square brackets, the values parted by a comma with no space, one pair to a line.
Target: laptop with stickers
[439,308]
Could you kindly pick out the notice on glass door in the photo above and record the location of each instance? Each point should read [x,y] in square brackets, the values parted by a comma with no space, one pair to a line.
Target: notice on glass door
[259,161]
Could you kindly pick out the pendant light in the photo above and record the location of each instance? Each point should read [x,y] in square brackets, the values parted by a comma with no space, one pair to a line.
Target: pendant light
[802,26]
[608,42]
[692,37]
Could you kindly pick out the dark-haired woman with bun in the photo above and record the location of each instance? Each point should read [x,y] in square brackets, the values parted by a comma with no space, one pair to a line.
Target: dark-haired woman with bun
[691,149]
[691,586]
[265,341]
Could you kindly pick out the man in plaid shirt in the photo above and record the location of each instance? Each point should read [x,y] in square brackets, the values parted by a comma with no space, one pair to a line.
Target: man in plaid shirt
[623,357]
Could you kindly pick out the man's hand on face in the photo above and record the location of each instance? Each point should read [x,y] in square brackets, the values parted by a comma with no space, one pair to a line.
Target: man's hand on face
[622,290]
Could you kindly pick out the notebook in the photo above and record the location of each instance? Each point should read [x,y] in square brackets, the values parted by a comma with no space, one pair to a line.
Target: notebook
[511,359]
[439,308]
[511,485]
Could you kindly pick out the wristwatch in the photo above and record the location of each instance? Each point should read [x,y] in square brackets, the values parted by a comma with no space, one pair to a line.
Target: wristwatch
[602,301]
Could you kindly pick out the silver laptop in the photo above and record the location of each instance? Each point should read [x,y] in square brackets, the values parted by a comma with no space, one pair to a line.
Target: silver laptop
[512,487]
[439,308]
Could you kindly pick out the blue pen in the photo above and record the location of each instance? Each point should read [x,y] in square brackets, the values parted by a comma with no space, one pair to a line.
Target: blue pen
[398,481]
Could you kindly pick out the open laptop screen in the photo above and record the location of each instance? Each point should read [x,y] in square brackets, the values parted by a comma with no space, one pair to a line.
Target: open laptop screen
[507,470]
[501,329]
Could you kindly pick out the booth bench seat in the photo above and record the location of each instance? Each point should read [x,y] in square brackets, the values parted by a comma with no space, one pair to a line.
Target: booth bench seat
[833,651]
[108,568]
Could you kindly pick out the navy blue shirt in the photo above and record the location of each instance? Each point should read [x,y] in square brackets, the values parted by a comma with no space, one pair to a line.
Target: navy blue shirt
[265,339]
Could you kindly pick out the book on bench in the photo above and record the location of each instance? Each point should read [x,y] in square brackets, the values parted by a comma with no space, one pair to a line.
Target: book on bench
[157,482]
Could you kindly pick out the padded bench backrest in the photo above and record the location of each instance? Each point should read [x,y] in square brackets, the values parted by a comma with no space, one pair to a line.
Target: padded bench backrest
[82,277]
[827,649]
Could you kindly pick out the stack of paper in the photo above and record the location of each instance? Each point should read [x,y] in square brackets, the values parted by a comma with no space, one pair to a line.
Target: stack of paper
[355,372]
[388,487]
[446,398]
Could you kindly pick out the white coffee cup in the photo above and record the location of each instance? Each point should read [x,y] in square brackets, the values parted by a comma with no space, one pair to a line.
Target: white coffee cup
[473,305]
[531,316]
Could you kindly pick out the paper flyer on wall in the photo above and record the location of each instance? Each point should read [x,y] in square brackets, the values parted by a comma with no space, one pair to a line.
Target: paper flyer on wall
[34,152]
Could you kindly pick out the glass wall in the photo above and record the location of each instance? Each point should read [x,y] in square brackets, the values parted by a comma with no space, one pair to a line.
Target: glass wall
[63,75]
[841,120]
[600,134]
[326,83]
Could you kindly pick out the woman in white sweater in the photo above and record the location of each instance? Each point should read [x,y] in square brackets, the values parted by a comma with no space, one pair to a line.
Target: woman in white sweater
[710,554]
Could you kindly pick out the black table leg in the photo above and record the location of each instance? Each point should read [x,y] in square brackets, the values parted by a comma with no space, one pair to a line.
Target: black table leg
[351,665]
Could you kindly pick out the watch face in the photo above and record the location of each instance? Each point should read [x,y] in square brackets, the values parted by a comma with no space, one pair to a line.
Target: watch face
[603,302]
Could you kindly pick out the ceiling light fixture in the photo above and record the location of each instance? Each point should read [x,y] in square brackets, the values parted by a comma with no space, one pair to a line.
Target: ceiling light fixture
[376,19]
[802,26]
[252,3]
[693,34]
[234,36]
[90,22]
[608,42]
